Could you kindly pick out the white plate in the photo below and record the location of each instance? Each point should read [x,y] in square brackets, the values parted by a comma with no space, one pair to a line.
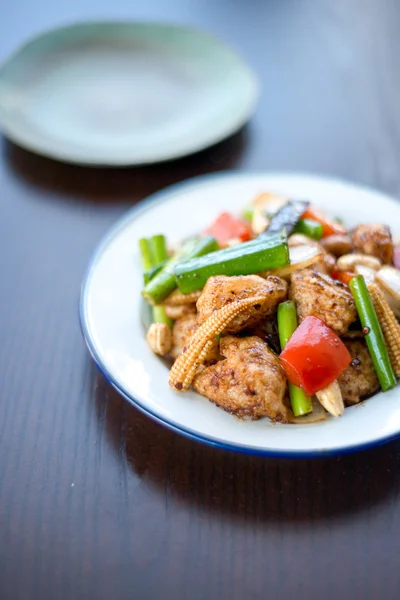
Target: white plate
[112,319]
[124,93]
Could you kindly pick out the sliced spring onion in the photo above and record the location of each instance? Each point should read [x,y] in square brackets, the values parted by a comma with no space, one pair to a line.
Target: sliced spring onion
[372,332]
[287,324]
[148,275]
[159,249]
[158,288]
[310,228]
[147,255]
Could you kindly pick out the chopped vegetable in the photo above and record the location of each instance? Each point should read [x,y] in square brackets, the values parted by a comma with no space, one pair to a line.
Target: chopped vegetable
[300,257]
[159,249]
[247,213]
[331,399]
[287,324]
[314,356]
[318,414]
[329,226]
[261,254]
[227,227]
[165,282]
[160,316]
[372,332]
[310,228]
[389,325]
[148,275]
[147,253]
[343,276]
[286,218]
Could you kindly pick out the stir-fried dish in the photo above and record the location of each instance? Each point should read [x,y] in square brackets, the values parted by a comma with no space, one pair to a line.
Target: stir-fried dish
[281,312]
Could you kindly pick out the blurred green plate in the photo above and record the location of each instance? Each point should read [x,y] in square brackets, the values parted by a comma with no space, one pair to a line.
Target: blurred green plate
[124,93]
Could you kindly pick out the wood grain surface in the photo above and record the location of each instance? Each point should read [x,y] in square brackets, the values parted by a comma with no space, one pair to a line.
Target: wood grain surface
[96,500]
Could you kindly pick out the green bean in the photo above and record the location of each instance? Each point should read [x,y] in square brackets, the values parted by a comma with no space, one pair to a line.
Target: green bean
[372,332]
[287,325]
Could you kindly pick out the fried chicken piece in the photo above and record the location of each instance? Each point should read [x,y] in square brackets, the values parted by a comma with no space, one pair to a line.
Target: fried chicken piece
[222,290]
[326,265]
[359,380]
[182,331]
[250,382]
[179,311]
[323,297]
[374,239]
[337,244]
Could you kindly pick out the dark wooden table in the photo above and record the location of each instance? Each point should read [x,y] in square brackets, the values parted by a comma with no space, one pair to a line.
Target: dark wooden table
[96,500]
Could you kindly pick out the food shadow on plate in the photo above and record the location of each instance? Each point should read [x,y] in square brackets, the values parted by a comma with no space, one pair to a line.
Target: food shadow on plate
[125,185]
[243,487]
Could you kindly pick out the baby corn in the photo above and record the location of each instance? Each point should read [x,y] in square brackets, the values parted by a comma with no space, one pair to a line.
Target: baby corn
[188,362]
[389,325]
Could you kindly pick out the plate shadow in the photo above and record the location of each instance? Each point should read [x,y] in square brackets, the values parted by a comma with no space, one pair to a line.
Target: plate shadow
[100,185]
[243,487]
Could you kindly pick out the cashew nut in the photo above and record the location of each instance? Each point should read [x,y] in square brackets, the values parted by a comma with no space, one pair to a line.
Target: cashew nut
[159,338]
[348,262]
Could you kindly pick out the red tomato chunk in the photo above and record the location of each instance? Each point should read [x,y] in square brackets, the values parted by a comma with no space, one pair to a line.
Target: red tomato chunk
[227,227]
[314,356]
[329,226]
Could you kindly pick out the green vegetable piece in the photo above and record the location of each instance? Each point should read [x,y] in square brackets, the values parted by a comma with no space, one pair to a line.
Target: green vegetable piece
[160,316]
[248,212]
[146,254]
[148,250]
[287,324]
[262,254]
[310,228]
[286,217]
[159,249]
[165,282]
[148,275]
[372,332]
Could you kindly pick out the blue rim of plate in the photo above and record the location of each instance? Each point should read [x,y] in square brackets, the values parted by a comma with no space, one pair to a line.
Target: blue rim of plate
[30,143]
[146,204]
